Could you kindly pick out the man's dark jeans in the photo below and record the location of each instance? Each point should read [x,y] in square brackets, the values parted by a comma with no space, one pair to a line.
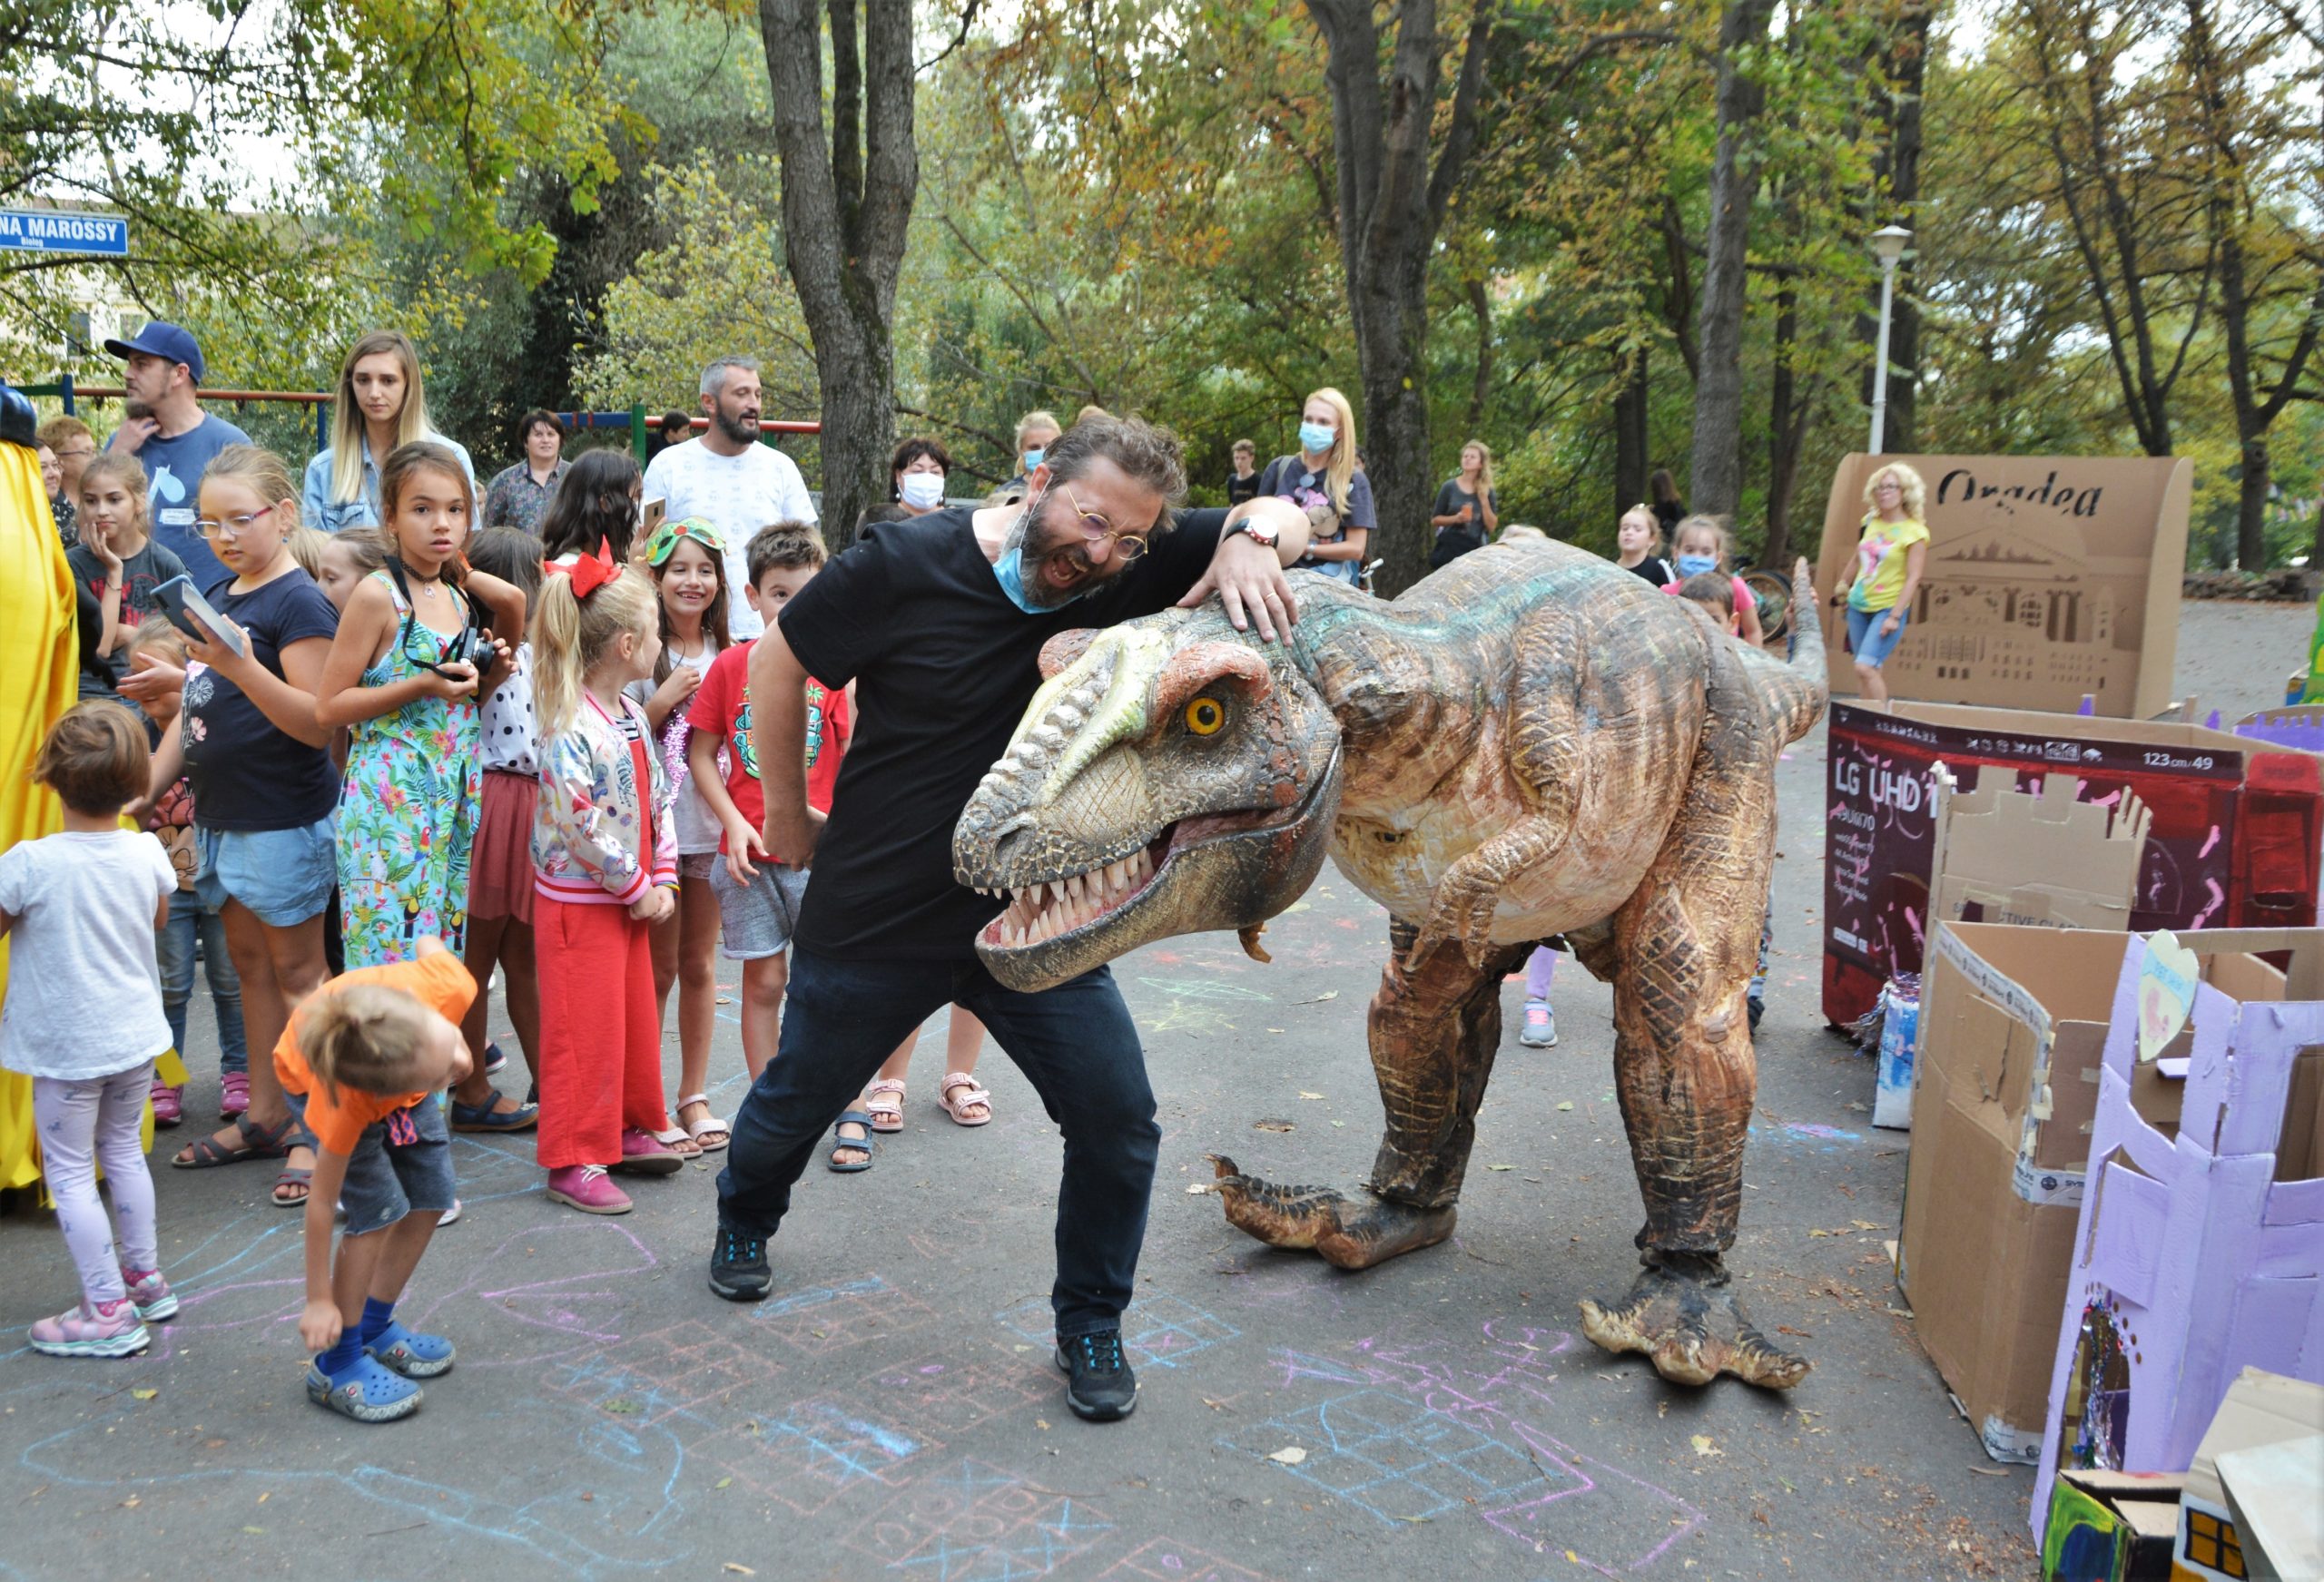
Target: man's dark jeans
[1075,1044]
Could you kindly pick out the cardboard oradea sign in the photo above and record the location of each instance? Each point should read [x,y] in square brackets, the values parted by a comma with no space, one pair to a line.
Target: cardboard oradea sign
[2049,579]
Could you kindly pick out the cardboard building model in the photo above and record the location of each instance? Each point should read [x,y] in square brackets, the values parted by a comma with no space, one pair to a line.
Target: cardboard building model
[2200,1246]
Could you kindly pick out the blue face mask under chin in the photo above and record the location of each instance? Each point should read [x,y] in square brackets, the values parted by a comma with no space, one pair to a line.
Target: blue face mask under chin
[1696,565]
[1009,571]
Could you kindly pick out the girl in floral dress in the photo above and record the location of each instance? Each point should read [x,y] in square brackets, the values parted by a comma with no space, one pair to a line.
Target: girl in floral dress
[415,645]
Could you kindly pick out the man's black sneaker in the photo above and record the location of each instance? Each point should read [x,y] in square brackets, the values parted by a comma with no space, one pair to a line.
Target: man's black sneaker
[1098,1383]
[738,1266]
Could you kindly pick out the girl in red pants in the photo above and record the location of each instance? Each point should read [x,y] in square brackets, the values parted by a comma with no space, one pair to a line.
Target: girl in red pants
[605,871]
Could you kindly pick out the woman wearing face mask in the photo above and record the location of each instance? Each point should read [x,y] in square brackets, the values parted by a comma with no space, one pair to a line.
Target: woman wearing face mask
[1322,479]
[1889,559]
[916,475]
[380,407]
[1036,432]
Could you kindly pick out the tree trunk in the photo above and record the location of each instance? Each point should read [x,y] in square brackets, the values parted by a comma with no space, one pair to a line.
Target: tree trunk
[1715,482]
[1481,393]
[1631,462]
[1391,207]
[1783,448]
[846,204]
[1897,182]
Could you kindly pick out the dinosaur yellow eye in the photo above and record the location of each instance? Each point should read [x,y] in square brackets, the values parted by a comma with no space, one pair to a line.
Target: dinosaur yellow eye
[1205,716]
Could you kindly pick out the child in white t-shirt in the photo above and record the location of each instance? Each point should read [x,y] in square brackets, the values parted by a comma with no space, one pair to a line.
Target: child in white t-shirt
[84,1019]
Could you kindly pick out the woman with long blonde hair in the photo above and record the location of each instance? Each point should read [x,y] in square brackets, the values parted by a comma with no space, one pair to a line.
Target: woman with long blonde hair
[1322,479]
[1468,513]
[380,407]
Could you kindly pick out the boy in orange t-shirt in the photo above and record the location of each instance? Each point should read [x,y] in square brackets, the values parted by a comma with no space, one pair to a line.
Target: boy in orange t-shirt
[362,1062]
[758,902]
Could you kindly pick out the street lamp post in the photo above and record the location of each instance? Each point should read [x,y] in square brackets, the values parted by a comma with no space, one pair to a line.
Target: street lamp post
[1888,242]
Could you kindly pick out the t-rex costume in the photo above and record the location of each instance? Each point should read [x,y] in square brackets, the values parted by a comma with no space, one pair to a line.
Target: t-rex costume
[1531,744]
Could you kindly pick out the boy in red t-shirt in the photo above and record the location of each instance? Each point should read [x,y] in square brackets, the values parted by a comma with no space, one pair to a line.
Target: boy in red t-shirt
[758,903]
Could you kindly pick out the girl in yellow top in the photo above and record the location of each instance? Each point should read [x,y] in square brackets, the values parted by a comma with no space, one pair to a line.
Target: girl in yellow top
[1889,560]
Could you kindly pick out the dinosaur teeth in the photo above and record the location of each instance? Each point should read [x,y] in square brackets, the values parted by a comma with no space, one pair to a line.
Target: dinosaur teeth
[1073,886]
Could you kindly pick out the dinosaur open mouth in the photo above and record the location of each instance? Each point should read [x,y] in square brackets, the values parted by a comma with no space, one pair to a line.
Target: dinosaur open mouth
[1053,908]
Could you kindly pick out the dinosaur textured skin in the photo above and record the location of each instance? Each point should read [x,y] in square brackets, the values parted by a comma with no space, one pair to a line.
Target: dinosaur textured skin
[1531,744]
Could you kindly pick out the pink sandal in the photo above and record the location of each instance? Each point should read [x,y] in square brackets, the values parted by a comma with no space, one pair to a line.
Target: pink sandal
[958,1091]
[883,1101]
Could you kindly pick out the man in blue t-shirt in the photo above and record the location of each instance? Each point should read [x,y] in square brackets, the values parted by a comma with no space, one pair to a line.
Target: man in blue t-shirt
[173,437]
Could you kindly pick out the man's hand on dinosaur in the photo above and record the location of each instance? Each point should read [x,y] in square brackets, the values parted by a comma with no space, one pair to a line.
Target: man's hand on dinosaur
[1248,579]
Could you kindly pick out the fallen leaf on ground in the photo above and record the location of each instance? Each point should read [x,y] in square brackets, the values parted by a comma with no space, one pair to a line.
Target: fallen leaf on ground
[1302,1092]
[1197,1188]
[1271,1125]
[1864,1224]
[143,1394]
[1501,1166]
[1290,1455]
[622,1406]
[1989,1471]
[738,1568]
[254,1529]
[1567,1104]
[1703,1447]
[724,1483]
[1319,999]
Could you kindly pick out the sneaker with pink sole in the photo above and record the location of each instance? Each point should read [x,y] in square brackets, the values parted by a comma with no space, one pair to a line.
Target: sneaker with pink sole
[169,1104]
[588,1188]
[644,1154]
[152,1294]
[235,1087]
[110,1329]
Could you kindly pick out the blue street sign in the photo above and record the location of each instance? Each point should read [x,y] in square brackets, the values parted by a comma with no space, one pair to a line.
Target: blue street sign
[49,230]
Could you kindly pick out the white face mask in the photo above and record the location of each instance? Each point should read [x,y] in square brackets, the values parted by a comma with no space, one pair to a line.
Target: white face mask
[923,491]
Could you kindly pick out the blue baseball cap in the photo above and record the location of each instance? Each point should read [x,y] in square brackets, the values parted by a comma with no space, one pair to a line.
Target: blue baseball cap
[171,342]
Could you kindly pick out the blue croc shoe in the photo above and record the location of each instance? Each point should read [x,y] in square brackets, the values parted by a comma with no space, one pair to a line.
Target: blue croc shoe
[366,1392]
[410,1353]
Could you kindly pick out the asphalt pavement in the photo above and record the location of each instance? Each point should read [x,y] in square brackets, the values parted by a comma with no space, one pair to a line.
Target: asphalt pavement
[894,1410]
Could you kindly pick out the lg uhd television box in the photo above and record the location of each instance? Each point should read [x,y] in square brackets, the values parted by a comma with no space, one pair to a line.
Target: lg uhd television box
[2048,579]
[2234,836]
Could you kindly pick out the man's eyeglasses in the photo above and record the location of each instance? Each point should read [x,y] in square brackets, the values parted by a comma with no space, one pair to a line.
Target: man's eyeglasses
[229,527]
[1096,529]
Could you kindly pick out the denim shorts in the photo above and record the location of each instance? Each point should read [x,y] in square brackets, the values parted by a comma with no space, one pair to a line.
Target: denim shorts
[757,919]
[284,876]
[1866,641]
[386,1181]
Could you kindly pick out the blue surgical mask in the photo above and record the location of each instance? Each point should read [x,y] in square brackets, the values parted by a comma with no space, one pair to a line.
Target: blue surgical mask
[1696,565]
[923,491]
[1009,571]
[1315,438]
[1033,457]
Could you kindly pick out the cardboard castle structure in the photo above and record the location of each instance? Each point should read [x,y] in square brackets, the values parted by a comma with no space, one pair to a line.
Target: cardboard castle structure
[2198,1248]
[2048,578]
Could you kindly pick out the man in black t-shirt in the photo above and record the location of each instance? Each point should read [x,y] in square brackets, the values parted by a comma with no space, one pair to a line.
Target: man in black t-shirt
[940,621]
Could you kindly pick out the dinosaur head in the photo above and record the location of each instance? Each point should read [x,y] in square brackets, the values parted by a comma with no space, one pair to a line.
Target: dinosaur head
[1172,775]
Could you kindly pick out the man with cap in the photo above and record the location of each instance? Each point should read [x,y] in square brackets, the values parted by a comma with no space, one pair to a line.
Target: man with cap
[173,437]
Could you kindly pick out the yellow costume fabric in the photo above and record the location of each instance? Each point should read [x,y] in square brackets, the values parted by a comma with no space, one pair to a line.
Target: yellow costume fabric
[38,663]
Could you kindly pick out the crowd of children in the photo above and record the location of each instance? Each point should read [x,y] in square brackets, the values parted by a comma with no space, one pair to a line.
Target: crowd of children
[416,756]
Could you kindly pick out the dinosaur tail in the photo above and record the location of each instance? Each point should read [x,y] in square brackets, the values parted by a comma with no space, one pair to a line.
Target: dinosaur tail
[1798,691]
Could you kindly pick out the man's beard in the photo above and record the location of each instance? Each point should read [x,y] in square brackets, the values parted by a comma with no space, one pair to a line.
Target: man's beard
[740,430]
[1030,559]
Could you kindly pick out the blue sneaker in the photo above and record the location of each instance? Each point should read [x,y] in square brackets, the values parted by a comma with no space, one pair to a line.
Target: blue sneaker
[365,1392]
[411,1354]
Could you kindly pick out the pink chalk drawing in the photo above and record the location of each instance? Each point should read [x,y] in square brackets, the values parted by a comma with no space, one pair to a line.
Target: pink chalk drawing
[937,1398]
[1169,1560]
[1433,1427]
[976,1523]
[573,1312]
[825,1319]
[809,1453]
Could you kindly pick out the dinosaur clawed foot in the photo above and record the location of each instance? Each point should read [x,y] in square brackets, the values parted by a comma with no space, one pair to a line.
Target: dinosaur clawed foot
[1348,1233]
[1681,1314]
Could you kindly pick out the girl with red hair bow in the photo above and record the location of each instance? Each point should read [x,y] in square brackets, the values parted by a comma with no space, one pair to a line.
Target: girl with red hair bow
[606,871]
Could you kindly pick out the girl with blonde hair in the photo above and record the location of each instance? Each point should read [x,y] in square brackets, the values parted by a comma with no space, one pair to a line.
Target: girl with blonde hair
[1322,479]
[606,871]
[380,407]
[1891,553]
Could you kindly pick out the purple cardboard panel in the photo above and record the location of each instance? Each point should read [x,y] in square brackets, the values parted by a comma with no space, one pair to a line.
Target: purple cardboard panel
[2191,1261]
